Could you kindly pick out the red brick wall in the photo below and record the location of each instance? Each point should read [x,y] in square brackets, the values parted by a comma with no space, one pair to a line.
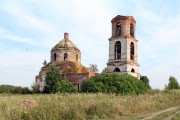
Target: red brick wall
[77,78]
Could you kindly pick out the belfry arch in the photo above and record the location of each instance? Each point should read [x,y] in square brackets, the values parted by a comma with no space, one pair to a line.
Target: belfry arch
[117,50]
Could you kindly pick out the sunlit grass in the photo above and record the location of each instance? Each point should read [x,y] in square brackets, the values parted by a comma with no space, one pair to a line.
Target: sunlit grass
[85,106]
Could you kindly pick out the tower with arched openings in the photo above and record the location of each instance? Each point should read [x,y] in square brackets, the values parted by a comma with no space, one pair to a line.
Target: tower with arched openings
[123,46]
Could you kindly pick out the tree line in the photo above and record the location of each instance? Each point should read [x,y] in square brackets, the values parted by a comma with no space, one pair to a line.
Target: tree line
[105,83]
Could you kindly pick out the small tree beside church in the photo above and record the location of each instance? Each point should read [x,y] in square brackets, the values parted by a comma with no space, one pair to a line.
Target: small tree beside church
[145,80]
[51,79]
[54,82]
[105,70]
[65,86]
[93,68]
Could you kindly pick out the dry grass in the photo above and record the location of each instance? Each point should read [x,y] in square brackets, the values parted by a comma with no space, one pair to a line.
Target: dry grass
[84,106]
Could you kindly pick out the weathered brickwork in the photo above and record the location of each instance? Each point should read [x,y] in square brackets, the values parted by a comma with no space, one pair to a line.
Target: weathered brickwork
[67,58]
[123,56]
[125,23]
[77,78]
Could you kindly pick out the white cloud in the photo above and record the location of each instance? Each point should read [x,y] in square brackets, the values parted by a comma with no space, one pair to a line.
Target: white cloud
[24,18]
[88,23]
[9,36]
[20,68]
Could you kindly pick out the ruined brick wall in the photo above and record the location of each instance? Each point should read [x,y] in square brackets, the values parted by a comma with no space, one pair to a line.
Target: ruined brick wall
[77,78]
[125,24]
[72,52]
[125,34]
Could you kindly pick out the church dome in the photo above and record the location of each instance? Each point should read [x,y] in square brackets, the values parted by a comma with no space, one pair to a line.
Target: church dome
[65,43]
[65,50]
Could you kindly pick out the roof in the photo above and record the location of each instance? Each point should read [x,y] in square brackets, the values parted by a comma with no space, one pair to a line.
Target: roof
[120,16]
[65,43]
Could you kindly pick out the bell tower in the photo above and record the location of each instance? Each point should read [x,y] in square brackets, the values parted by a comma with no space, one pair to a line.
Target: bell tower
[123,46]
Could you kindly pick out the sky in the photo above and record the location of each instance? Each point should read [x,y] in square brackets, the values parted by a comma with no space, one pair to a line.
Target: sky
[30,28]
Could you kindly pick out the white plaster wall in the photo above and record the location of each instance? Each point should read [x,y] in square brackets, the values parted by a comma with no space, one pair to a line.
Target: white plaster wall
[129,40]
[122,68]
[112,42]
[135,67]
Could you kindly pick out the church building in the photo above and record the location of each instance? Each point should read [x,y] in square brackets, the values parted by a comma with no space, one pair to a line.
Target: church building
[123,56]
[123,46]
[67,58]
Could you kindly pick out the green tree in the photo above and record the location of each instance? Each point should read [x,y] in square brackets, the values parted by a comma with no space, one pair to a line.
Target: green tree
[90,85]
[14,89]
[65,86]
[145,80]
[51,79]
[114,83]
[93,68]
[105,70]
[173,83]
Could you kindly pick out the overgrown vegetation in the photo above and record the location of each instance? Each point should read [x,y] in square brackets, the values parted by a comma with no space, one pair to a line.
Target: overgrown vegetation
[65,86]
[145,80]
[173,84]
[93,68]
[85,106]
[55,82]
[114,83]
[14,89]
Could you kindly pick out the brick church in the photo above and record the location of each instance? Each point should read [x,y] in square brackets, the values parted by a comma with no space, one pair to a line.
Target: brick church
[123,46]
[67,58]
[122,55]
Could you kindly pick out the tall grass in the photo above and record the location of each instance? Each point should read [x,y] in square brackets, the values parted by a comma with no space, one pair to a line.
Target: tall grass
[85,106]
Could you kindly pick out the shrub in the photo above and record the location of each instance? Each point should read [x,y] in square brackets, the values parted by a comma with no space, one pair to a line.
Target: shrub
[145,80]
[114,83]
[14,89]
[51,79]
[54,82]
[173,83]
[65,86]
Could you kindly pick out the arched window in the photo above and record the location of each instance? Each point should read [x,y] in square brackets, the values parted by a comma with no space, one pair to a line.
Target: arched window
[118,29]
[55,56]
[117,50]
[131,30]
[76,57]
[132,51]
[65,56]
[132,70]
[117,70]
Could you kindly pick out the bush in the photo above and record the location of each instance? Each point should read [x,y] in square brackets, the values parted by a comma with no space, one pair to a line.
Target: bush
[65,86]
[14,89]
[145,80]
[51,79]
[173,83]
[114,83]
[54,82]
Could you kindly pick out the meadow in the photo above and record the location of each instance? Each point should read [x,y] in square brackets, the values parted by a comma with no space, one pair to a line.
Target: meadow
[85,106]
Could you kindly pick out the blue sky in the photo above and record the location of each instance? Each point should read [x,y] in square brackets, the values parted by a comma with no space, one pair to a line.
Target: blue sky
[30,28]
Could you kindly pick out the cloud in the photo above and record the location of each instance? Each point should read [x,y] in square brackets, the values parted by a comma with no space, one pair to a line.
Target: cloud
[25,18]
[42,24]
[9,36]
[158,45]
[20,67]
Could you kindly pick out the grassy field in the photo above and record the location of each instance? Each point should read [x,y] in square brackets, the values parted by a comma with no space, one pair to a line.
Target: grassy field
[84,106]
